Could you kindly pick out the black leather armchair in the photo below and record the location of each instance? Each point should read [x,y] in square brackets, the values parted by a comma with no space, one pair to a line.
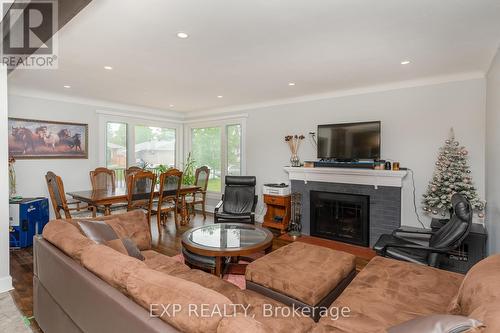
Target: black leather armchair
[238,201]
[422,246]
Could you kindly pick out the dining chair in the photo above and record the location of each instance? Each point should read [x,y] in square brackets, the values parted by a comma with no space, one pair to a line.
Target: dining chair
[170,185]
[199,197]
[141,191]
[130,171]
[59,202]
[102,179]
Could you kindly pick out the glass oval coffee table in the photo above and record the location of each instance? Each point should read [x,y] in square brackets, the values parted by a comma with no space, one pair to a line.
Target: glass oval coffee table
[209,245]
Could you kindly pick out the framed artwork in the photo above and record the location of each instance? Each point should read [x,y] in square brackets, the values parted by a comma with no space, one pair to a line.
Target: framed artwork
[36,139]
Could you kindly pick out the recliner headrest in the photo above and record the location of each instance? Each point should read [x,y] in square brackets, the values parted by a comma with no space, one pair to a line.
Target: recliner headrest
[241,180]
[461,207]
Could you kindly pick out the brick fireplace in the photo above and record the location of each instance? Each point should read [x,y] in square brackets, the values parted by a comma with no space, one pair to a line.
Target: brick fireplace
[350,205]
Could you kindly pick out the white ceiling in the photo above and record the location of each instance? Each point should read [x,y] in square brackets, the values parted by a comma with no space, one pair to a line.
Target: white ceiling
[248,51]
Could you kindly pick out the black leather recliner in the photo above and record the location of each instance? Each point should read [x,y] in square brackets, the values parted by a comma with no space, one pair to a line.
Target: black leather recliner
[238,201]
[422,246]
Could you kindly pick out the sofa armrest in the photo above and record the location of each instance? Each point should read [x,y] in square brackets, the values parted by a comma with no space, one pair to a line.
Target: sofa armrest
[219,205]
[255,200]
[412,230]
[419,247]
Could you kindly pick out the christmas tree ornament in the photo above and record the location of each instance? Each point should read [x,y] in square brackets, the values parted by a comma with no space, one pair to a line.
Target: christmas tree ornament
[451,175]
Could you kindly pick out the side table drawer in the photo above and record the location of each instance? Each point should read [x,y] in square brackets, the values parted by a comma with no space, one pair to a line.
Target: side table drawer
[275,200]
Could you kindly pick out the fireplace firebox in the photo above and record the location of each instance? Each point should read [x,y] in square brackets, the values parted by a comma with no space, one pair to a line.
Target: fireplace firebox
[341,217]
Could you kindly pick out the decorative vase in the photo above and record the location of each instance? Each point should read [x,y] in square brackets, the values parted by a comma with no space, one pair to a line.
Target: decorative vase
[12,181]
[295,160]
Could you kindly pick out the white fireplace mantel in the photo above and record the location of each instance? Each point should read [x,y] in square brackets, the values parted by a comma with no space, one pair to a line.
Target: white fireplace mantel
[348,176]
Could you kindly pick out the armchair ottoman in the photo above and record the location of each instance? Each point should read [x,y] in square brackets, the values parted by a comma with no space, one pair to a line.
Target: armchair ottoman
[302,275]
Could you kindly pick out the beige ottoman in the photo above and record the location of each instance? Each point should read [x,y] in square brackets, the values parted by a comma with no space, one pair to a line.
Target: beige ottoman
[304,275]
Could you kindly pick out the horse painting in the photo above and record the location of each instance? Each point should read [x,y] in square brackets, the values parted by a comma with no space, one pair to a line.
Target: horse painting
[49,138]
[45,139]
[25,136]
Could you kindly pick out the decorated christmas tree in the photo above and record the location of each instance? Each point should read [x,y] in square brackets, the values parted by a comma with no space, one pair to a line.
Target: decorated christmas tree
[452,175]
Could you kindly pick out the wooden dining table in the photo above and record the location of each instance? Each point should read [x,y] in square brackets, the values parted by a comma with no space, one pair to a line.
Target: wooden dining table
[108,197]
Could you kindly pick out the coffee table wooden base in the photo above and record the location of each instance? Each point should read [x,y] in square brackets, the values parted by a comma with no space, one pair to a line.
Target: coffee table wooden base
[210,256]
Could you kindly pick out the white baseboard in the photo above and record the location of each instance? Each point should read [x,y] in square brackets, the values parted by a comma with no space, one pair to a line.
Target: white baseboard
[5,284]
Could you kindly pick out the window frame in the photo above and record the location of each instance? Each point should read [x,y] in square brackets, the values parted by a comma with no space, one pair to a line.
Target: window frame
[131,122]
[106,142]
[223,124]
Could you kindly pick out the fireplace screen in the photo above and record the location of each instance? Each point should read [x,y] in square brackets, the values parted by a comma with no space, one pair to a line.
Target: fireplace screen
[342,217]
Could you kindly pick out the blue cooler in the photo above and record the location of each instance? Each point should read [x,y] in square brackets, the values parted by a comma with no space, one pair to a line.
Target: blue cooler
[27,217]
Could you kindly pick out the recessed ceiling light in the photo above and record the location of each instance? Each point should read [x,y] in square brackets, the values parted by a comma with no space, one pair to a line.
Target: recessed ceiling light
[108,68]
[67,86]
[405,62]
[182,35]
[171,106]
[291,83]
[220,96]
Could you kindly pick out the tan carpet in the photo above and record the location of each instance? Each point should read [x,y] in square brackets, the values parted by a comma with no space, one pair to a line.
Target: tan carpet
[11,320]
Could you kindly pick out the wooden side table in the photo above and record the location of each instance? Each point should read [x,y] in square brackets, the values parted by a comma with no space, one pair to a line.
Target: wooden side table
[278,212]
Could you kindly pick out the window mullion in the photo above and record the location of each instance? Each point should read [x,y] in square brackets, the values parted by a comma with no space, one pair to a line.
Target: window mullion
[223,155]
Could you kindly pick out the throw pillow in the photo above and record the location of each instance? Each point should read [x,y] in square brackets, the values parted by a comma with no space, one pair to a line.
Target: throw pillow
[437,324]
[101,233]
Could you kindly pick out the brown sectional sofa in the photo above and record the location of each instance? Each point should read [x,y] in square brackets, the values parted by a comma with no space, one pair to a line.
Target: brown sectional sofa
[83,287]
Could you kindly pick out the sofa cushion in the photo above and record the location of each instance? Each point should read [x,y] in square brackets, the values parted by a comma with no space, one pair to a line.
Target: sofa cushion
[258,306]
[162,263]
[212,282]
[152,289]
[133,225]
[241,324]
[277,317]
[110,265]
[437,324]
[479,295]
[302,271]
[388,292]
[102,233]
[67,238]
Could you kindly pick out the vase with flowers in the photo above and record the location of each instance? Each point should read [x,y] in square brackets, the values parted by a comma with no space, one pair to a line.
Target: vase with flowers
[294,142]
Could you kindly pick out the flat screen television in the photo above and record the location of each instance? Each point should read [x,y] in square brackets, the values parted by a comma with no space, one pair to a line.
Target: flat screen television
[353,141]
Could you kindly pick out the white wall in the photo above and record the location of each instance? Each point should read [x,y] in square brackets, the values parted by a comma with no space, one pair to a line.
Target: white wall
[415,123]
[5,279]
[493,154]
[74,172]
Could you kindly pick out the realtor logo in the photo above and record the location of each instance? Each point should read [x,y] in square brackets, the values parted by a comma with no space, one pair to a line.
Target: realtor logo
[29,35]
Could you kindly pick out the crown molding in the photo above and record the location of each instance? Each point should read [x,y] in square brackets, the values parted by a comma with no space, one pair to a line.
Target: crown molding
[429,81]
[140,115]
[215,118]
[229,112]
[98,103]
[492,59]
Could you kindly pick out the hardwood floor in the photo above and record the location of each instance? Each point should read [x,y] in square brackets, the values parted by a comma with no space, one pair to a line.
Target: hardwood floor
[21,261]
[169,243]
